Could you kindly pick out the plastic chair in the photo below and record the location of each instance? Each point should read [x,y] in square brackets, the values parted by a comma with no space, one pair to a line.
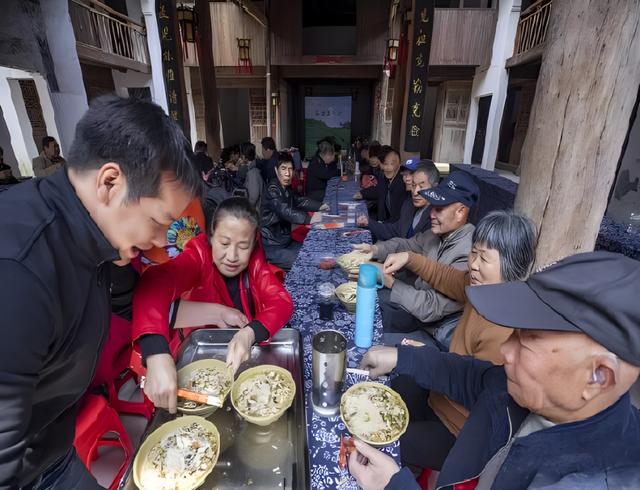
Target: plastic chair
[96,419]
[423,478]
[299,233]
[128,367]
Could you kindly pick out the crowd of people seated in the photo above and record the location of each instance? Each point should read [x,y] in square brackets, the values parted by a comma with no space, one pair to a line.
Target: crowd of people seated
[512,379]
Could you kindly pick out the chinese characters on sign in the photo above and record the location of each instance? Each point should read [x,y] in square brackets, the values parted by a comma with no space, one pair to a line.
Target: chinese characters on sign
[422,29]
[170,67]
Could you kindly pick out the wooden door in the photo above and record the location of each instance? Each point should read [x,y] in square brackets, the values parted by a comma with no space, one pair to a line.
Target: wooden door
[34,111]
[455,112]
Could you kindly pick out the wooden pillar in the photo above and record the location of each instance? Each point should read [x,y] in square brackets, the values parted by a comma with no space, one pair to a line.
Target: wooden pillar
[172,65]
[580,119]
[208,79]
[400,94]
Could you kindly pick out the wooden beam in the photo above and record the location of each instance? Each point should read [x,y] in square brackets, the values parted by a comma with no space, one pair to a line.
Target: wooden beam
[527,57]
[334,71]
[580,119]
[208,79]
[185,123]
[250,9]
[97,56]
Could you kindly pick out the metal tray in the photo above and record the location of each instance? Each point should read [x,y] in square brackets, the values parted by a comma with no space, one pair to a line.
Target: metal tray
[253,457]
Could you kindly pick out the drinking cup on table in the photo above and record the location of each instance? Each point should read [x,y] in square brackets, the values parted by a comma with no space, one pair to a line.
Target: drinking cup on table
[326,300]
[328,361]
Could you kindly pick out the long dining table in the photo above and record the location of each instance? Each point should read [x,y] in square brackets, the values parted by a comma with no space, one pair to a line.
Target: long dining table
[302,283]
[245,442]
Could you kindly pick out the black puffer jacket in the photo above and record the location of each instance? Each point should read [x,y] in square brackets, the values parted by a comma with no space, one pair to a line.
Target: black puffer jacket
[280,209]
[55,316]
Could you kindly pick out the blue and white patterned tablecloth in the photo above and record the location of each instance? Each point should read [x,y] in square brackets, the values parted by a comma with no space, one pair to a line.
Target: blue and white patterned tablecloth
[302,281]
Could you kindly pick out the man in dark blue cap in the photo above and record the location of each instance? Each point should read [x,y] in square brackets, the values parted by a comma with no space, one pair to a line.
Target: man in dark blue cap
[411,308]
[558,414]
[414,214]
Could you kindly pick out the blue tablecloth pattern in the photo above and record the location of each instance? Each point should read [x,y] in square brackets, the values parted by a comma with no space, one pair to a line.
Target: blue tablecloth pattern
[302,282]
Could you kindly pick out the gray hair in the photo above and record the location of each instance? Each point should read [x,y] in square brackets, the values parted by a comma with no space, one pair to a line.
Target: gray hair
[325,147]
[428,168]
[514,237]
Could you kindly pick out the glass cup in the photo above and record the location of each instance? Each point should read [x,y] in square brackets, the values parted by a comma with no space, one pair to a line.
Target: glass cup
[326,300]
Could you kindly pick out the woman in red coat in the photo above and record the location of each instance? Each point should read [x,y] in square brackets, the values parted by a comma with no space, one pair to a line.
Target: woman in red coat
[223,280]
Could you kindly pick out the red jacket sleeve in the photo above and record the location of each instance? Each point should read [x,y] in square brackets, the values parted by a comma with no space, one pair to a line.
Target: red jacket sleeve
[161,285]
[273,303]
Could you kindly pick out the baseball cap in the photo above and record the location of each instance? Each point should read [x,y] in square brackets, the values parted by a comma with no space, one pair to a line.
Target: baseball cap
[456,187]
[411,165]
[595,293]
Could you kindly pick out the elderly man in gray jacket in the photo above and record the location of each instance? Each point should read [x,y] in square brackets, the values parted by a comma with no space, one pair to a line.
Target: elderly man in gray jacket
[410,307]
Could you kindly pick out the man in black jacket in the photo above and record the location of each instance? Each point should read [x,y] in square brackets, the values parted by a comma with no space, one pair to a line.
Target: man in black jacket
[390,192]
[280,209]
[322,168]
[414,214]
[269,160]
[128,176]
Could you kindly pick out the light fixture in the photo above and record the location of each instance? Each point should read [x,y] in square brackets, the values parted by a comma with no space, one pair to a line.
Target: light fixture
[188,23]
[244,55]
[244,49]
[275,99]
[392,49]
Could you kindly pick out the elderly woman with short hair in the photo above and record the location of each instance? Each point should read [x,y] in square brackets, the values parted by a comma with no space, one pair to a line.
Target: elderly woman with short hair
[503,250]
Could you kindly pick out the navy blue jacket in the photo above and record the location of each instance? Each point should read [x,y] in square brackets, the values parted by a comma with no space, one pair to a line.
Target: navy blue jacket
[397,194]
[601,452]
[400,228]
[268,167]
[319,173]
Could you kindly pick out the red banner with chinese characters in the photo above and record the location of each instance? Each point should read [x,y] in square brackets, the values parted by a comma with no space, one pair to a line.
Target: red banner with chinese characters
[419,63]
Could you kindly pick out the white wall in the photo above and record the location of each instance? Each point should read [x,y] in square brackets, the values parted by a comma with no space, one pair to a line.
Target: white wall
[155,54]
[493,81]
[16,118]
[190,105]
[5,143]
[70,100]
[134,11]
[131,78]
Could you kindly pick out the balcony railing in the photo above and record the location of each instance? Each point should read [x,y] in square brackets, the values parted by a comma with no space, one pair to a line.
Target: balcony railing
[532,28]
[98,27]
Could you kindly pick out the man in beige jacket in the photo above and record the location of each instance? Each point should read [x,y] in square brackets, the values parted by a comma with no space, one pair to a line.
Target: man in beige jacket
[410,307]
[49,159]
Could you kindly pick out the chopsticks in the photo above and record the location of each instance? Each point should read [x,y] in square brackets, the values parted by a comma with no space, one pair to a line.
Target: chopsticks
[204,398]
[364,372]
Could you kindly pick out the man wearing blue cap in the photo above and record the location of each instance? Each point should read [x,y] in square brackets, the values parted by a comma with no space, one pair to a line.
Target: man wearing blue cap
[558,414]
[414,215]
[410,306]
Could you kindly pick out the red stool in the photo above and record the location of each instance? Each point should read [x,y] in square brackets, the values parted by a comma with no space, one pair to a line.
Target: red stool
[423,479]
[299,233]
[95,420]
[128,366]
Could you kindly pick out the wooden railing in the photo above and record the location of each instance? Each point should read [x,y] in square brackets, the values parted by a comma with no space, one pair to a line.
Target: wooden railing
[99,26]
[532,28]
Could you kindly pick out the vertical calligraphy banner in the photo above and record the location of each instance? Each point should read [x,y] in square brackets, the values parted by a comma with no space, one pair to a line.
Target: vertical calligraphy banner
[419,60]
[171,62]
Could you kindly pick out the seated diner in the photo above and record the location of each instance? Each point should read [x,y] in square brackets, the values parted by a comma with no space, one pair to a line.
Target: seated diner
[558,414]
[222,279]
[503,250]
